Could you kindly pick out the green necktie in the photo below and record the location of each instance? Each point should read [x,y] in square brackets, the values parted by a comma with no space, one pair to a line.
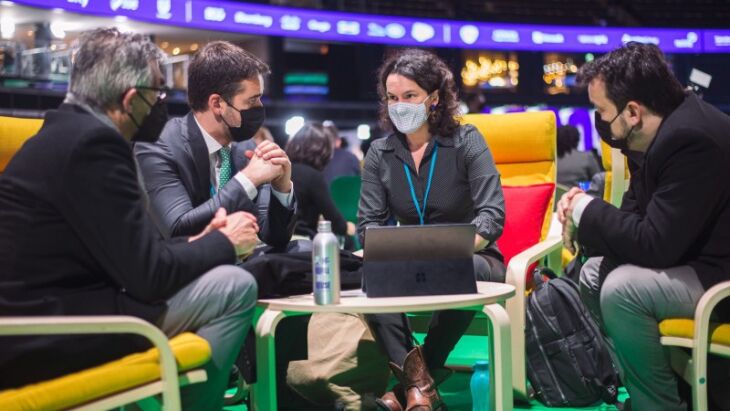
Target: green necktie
[226,167]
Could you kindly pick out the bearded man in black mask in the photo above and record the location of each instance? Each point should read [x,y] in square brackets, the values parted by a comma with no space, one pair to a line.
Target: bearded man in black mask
[207,160]
[76,237]
[670,241]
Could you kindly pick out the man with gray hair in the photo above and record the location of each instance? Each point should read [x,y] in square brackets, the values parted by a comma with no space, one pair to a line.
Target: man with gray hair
[76,237]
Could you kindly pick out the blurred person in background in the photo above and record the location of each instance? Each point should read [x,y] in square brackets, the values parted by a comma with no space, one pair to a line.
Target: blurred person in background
[429,170]
[574,166]
[309,151]
[343,162]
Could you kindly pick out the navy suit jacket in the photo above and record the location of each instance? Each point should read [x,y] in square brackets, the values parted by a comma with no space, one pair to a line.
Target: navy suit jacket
[176,173]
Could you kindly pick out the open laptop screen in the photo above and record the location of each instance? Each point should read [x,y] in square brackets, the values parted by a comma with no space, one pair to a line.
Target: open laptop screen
[419,260]
[419,242]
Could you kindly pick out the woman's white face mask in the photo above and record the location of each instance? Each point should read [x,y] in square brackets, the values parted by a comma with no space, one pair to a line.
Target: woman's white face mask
[408,117]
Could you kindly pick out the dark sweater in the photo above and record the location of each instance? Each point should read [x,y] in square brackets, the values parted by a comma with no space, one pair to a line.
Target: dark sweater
[314,199]
[343,163]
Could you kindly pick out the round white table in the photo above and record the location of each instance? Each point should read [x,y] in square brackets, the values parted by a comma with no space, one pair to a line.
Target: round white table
[487,299]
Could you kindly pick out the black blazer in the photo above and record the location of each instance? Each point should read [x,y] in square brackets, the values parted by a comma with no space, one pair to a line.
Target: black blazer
[176,173]
[76,239]
[679,206]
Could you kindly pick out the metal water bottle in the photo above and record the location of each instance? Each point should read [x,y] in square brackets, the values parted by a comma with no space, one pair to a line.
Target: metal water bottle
[325,265]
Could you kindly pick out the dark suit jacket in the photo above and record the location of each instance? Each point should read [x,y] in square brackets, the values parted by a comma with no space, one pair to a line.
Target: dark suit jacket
[679,207]
[314,199]
[176,171]
[76,239]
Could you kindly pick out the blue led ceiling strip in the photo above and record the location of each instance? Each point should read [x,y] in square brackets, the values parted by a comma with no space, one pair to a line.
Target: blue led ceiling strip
[367,28]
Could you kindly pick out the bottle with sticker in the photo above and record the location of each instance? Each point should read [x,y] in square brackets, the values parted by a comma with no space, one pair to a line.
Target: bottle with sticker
[325,265]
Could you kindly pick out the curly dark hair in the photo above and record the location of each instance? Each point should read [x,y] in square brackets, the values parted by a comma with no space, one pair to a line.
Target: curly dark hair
[310,146]
[219,67]
[636,72]
[431,74]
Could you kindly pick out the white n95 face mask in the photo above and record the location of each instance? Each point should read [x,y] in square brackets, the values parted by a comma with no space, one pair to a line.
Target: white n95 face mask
[408,117]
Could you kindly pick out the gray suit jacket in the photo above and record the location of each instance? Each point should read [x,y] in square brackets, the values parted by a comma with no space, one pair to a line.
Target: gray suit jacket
[176,173]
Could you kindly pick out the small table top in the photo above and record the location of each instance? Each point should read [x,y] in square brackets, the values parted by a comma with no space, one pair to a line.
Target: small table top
[354,302]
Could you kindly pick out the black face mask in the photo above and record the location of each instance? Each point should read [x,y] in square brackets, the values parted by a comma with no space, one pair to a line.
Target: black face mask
[151,127]
[604,131]
[251,120]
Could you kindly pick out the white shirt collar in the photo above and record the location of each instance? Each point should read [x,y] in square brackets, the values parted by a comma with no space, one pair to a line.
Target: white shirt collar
[210,142]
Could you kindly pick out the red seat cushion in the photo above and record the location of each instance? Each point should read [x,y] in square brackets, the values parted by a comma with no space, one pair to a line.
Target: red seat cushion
[524,208]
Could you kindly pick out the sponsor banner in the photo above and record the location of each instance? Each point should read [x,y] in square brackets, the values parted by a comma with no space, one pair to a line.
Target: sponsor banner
[717,41]
[403,31]
[155,11]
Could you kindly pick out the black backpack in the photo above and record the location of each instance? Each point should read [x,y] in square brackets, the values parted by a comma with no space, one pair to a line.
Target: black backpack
[568,363]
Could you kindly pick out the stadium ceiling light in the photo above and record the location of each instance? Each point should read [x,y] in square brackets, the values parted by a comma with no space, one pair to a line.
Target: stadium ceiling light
[293,125]
[363,131]
[58,30]
[7,27]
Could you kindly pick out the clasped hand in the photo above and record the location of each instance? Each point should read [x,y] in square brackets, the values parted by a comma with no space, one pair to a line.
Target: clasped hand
[240,228]
[269,164]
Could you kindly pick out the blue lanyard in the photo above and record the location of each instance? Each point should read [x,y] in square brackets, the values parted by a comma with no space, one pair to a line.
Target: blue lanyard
[422,211]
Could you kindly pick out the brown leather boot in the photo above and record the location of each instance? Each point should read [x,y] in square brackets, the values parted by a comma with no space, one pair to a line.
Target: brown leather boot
[420,389]
[394,399]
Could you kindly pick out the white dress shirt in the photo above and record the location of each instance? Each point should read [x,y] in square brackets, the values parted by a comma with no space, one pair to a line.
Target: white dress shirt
[580,207]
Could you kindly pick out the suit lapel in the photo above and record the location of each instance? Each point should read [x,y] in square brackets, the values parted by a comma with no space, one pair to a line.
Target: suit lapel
[199,152]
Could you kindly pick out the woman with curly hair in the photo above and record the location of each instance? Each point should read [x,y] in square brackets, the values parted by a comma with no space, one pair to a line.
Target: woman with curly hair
[309,151]
[429,170]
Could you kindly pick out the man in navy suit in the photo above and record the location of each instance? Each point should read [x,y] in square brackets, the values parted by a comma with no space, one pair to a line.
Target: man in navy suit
[208,159]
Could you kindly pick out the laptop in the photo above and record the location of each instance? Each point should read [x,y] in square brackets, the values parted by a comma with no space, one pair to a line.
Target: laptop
[419,260]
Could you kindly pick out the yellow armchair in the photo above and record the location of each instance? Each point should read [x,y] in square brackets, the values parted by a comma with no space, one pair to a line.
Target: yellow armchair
[615,164]
[135,378]
[702,338]
[524,150]
[13,133]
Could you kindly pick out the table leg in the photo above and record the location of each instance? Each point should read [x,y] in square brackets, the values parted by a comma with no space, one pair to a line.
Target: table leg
[264,390]
[500,356]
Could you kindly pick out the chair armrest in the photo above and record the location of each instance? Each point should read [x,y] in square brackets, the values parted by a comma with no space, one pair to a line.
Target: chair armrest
[516,306]
[117,324]
[704,309]
[518,264]
[618,182]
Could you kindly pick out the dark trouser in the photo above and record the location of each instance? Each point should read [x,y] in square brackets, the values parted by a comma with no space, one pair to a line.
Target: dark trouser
[393,331]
